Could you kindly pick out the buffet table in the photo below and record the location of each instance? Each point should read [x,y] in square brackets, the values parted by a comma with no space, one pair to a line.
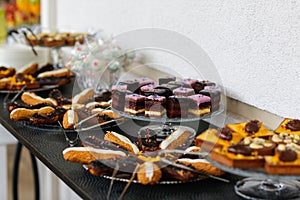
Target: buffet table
[47,146]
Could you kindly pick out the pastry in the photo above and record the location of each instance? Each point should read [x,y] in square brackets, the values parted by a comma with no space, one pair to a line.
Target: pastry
[44,68]
[31,98]
[131,85]
[30,68]
[179,137]
[155,106]
[4,82]
[215,138]
[260,145]
[201,165]
[146,88]
[289,125]
[122,141]
[172,172]
[6,72]
[86,155]
[286,160]
[253,128]
[237,156]
[55,77]
[285,138]
[148,173]
[70,118]
[19,114]
[47,118]
[199,105]
[83,96]
[118,99]
[19,80]
[134,104]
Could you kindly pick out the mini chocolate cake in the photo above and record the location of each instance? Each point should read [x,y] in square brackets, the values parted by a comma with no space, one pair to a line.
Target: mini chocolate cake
[165,92]
[177,107]
[197,85]
[118,99]
[183,91]
[199,105]
[164,80]
[144,81]
[147,140]
[214,93]
[155,106]
[119,87]
[132,85]
[146,88]
[134,104]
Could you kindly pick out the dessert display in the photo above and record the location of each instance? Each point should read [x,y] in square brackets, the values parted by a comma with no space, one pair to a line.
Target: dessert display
[147,153]
[33,76]
[56,39]
[169,98]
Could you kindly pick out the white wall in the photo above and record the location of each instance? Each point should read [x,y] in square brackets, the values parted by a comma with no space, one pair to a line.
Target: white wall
[254,44]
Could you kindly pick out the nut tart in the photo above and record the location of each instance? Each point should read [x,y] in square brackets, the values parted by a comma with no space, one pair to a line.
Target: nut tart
[253,128]
[286,160]
[237,156]
[289,126]
[215,138]
[259,145]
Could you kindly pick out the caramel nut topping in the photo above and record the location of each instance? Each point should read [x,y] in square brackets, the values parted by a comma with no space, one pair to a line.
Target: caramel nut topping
[252,126]
[293,125]
[281,147]
[256,146]
[276,138]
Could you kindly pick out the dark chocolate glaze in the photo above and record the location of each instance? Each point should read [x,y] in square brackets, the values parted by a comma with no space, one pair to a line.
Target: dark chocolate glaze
[252,126]
[240,149]
[147,140]
[293,125]
[225,134]
[288,155]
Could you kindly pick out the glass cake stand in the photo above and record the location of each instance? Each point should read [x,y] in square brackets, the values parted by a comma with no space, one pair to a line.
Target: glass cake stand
[260,185]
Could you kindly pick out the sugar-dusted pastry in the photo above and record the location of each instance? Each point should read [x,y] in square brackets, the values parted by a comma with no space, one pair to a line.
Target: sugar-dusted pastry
[148,173]
[122,141]
[179,137]
[86,155]
[31,98]
[83,96]
[215,138]
[25,113]
[201,165]
[253,128]
[70,119]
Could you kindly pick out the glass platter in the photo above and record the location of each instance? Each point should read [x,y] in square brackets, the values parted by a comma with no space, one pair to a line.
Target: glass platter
[260,185]
[40,89]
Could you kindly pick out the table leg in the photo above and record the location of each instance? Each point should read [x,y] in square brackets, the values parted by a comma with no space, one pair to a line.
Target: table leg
[3,172]
[16,173]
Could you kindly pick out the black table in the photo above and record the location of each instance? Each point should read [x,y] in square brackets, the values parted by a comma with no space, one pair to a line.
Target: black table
[47,146]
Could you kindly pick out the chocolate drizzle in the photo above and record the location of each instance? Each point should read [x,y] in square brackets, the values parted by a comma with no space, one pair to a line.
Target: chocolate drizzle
[252,126]
[287,155]
[147,140]
[225,134]
[293,125]
[240,149]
